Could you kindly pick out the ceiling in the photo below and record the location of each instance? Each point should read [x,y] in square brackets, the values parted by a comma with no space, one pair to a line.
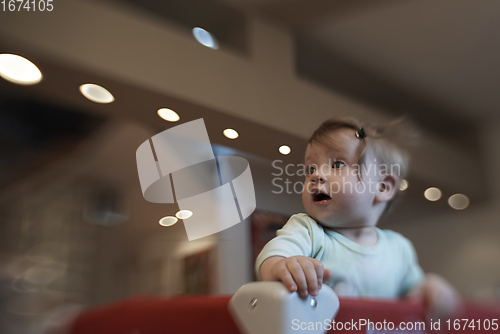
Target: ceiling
[439,55]
[432,61]
[445,51]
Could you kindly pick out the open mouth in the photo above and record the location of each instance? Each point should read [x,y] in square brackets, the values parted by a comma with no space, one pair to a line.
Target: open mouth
[320,198]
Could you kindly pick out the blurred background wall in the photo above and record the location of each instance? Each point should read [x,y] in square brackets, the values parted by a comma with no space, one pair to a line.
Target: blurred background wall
[75,228]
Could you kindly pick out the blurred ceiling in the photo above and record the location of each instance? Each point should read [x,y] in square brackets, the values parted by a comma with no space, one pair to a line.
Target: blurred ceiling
[284,66]
[442,51]
[434,61]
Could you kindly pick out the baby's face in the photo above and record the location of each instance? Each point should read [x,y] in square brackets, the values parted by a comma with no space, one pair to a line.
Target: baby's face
[334,194]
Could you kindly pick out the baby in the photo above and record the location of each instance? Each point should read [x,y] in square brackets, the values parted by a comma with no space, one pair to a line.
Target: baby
[353,174]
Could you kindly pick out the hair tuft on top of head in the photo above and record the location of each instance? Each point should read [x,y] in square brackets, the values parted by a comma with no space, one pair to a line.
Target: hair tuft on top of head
[402,131]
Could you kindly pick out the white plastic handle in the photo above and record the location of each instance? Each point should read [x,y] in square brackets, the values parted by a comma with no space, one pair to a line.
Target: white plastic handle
[269,308]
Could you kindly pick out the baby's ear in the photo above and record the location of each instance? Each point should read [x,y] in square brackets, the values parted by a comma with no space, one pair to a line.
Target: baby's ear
[386,189]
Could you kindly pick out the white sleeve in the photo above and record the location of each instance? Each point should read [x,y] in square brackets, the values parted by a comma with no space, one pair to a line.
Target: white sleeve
[413,274]
[293,239]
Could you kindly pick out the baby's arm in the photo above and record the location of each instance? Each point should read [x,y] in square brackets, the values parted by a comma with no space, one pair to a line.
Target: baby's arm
[441,299]
[299,273]
[287,258]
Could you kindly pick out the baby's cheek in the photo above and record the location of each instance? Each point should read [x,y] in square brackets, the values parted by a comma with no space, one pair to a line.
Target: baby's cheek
[349,200]
[307,202]
[366,187]
[361,188]
[340,185]
[306,192]
[308,186]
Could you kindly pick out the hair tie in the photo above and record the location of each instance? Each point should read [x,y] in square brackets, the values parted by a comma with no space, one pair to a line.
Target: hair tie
[361,133]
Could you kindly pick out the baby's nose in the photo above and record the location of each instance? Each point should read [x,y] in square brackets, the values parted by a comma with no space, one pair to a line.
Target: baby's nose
[319,176]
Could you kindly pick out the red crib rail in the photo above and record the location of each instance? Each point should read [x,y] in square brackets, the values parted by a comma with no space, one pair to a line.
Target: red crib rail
[209,314]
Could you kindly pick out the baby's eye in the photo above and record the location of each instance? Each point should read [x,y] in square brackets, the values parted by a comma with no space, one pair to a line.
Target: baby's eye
[311,170]
[338,164]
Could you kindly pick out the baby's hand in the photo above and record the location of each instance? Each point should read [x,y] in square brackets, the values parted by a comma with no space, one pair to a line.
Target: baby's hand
[299,273]
[441,299]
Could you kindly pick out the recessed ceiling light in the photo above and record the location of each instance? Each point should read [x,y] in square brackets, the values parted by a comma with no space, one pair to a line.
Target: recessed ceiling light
[184,214]
[432,194]
[404,185]
[168,115]
[230,133]
[285,150]
[168,221]
[96,93]
[458,201]
[19,70]
[205,38]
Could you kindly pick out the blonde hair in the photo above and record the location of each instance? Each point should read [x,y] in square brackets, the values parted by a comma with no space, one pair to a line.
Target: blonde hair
[389,144]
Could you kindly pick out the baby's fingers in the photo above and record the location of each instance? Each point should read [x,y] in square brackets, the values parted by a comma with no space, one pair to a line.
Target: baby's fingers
[299,277]
[284,275]
[327,275]
[310,271]
[320,272]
